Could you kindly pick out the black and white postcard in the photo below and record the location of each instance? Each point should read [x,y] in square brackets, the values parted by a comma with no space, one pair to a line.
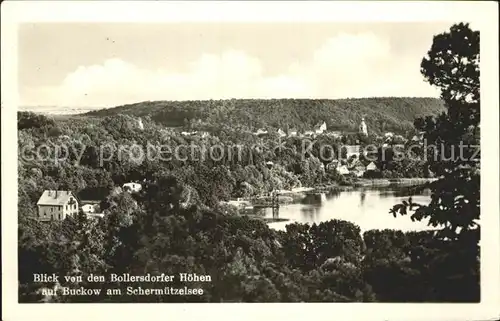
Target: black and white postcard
[185,153]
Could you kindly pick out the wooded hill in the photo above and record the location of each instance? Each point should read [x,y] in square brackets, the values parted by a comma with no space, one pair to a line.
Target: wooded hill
[381,114]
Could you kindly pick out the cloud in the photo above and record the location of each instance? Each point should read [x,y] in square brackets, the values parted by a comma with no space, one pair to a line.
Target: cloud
[347,65]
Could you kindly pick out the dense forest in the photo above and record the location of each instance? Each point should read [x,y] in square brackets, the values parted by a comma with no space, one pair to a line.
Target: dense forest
[177,222]
[90,156]
[247,261]
[382,114]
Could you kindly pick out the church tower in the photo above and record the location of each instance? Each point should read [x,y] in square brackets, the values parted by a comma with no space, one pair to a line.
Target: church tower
[362,127]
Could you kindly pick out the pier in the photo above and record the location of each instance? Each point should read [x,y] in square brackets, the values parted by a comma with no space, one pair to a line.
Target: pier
[269,202]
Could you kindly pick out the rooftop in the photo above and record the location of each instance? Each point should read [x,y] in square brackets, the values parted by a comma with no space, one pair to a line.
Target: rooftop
[55,198]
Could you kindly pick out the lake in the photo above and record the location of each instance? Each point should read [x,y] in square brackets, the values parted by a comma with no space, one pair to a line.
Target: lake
[366,207]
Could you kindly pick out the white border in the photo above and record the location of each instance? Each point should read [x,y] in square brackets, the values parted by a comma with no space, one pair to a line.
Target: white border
[482,15]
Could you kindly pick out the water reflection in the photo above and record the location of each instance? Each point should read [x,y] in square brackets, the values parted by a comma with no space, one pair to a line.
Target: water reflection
[333,194]
[366,207]
[310,213]
[405,191]
[314,199]
[362,198]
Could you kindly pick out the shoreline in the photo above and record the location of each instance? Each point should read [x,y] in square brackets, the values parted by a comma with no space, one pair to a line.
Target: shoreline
[288,196]
[393,181]
[376,182]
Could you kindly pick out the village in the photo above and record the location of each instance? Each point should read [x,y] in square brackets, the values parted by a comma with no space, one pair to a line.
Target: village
[58,204]
[349,163]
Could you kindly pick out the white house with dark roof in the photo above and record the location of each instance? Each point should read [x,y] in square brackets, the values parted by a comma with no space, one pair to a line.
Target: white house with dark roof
[56,205]
[371,167]
[132,187]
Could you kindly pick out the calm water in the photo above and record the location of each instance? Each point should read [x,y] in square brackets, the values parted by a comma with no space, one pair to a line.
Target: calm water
[368,208]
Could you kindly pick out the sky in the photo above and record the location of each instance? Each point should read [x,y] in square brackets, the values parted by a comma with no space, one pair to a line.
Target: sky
[95,65]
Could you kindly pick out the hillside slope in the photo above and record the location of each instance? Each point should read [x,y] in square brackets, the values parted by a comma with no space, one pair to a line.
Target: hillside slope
[381,114]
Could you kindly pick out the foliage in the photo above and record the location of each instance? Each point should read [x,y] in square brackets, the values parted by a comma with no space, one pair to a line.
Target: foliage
[381,114]
[453,65]
[27,120]
[247,261]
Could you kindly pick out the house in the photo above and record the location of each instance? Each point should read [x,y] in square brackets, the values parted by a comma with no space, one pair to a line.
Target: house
[94,215]
[358,172]
[356,164]
[388,140]
[320,128]
[132,187]
[188,133]
[359,169]
[56,205]
[351,163]
[371,167]
[335,134]
[261,132]
[281,133]
[309,133]
[390,137]
[419,137]
[352,150]
[342,170]
[399,139]
[292,132]
[332,165]
[88,208]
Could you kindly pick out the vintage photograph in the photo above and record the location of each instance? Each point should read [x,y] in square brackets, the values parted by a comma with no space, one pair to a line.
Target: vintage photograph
[249,162]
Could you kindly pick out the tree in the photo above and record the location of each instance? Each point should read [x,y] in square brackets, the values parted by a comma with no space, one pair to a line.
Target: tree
[26,120]
[453,65]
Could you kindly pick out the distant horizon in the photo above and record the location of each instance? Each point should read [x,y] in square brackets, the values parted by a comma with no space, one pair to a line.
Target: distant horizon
[222,99]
